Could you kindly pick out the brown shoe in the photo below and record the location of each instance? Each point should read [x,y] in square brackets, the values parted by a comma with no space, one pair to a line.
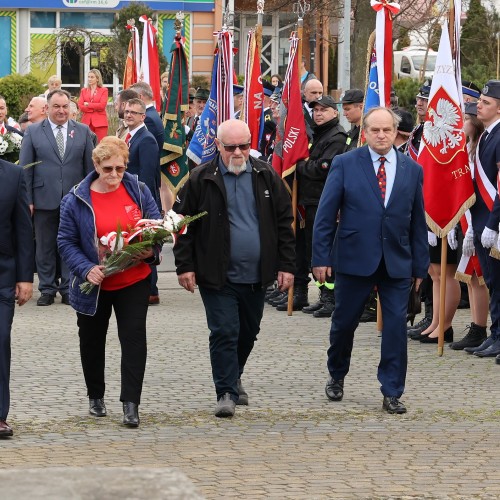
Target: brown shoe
[154,300]
[5,429]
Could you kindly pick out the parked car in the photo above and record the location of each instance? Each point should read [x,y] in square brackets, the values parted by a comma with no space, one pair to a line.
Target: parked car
[409,63]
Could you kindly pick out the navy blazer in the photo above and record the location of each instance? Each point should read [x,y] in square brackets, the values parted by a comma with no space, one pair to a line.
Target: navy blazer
[366,231]
[15,227]
[155,126]
[490,157]
[52,179]
[144,160]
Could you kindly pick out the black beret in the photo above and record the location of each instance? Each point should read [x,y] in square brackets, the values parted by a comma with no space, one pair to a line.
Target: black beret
[492,89]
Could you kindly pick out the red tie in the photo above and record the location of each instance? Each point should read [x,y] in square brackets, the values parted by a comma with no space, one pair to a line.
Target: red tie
[382,179]
[2,130]
[127,138]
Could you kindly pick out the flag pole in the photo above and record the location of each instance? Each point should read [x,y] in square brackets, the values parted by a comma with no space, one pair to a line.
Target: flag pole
[258,26]
[444,241]
[299,8]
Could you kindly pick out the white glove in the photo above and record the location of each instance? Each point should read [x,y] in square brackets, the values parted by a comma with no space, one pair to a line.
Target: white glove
[432,239]
[468,245]
[452,239]
[255,154]
[489,237]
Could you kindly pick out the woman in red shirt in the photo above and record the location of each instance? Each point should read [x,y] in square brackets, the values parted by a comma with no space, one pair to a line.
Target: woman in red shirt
[92,103]
[105,200]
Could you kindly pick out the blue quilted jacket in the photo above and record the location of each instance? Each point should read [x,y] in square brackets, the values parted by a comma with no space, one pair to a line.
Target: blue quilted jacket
[77,237]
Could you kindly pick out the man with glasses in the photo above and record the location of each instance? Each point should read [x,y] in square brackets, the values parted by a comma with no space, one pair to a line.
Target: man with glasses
[242,245]
[144,161]
[64,149]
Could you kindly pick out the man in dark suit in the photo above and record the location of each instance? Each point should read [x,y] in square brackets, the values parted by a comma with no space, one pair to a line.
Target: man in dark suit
[144,161]
[16,269]
[152,121]
[381,240]
[64,149]
[482,235]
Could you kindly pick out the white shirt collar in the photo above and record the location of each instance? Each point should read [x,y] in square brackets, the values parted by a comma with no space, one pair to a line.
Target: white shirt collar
[492,126]
[132,132]
[54,126]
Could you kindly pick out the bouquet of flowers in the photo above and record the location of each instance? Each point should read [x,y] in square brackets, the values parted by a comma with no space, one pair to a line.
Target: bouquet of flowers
[120,248]
[10,145]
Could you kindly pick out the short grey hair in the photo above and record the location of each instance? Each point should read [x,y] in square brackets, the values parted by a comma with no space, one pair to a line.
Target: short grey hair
[143,88]
[396,120]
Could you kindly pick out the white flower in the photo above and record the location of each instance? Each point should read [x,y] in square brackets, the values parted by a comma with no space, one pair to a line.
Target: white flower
[172,221]
[3,146]
[17,139]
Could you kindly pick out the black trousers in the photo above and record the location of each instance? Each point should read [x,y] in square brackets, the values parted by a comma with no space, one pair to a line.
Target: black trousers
[131,308]
[233,317]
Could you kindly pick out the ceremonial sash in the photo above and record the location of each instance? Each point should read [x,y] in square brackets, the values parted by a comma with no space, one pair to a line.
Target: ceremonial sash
[486,189]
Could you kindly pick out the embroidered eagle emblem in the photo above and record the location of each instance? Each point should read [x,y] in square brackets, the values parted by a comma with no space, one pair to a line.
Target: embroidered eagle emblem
[443,126]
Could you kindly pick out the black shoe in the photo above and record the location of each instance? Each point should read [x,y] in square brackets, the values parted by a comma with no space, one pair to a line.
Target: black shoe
[474,338]
[391,404]
[65,299]
[299,301]
[272,295]
[269,291]
[448,337]
[97,408]
[419,336]
[225,406]
[326,311]
[130,414]
[489,341]
[334,389]
[45,300]
[491,352]
[497,360]
[243,396]
[5,429]
[420,327]
[313,307]
[282,296]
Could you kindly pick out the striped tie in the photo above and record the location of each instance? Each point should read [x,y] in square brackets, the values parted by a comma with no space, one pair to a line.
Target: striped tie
[60,141]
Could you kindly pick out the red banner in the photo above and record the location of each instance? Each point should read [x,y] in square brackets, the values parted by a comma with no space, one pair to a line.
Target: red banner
[253,103]
[292,143]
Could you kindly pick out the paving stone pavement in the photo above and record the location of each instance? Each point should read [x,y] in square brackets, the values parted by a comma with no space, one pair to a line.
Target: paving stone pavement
[291,442]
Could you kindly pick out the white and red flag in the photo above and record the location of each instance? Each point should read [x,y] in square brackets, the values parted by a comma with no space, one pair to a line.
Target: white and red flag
[150,67]
[292,143]
[448,189]
[253,102]
[383,46]
[133,62]
[225,76]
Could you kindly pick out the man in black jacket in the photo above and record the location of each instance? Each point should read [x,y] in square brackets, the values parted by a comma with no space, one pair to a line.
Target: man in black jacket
[328,141]
[242,245]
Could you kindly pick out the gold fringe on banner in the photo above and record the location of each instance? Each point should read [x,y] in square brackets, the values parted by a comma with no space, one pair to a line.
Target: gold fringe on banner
[442,232]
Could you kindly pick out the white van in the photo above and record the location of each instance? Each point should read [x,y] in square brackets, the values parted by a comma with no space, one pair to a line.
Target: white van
[408,63]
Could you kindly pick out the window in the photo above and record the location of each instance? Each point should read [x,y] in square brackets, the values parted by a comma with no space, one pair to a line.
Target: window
[88,20]
[43,19]
[405,65]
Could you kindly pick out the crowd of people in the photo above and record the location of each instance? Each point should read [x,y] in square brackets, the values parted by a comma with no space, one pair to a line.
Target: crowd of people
[361,234]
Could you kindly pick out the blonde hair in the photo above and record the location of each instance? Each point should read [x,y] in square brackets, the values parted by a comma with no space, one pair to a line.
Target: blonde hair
[98,75]
[54,79]
[108,147]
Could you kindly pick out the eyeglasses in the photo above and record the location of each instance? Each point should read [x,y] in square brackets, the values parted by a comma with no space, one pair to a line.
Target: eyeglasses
[130,112]
[231,148]
[108,170]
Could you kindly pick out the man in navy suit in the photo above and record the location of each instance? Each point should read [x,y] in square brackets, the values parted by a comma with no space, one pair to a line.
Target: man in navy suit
[16,269]
[370,229]
[485,213]
[144,161]
[64,149]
